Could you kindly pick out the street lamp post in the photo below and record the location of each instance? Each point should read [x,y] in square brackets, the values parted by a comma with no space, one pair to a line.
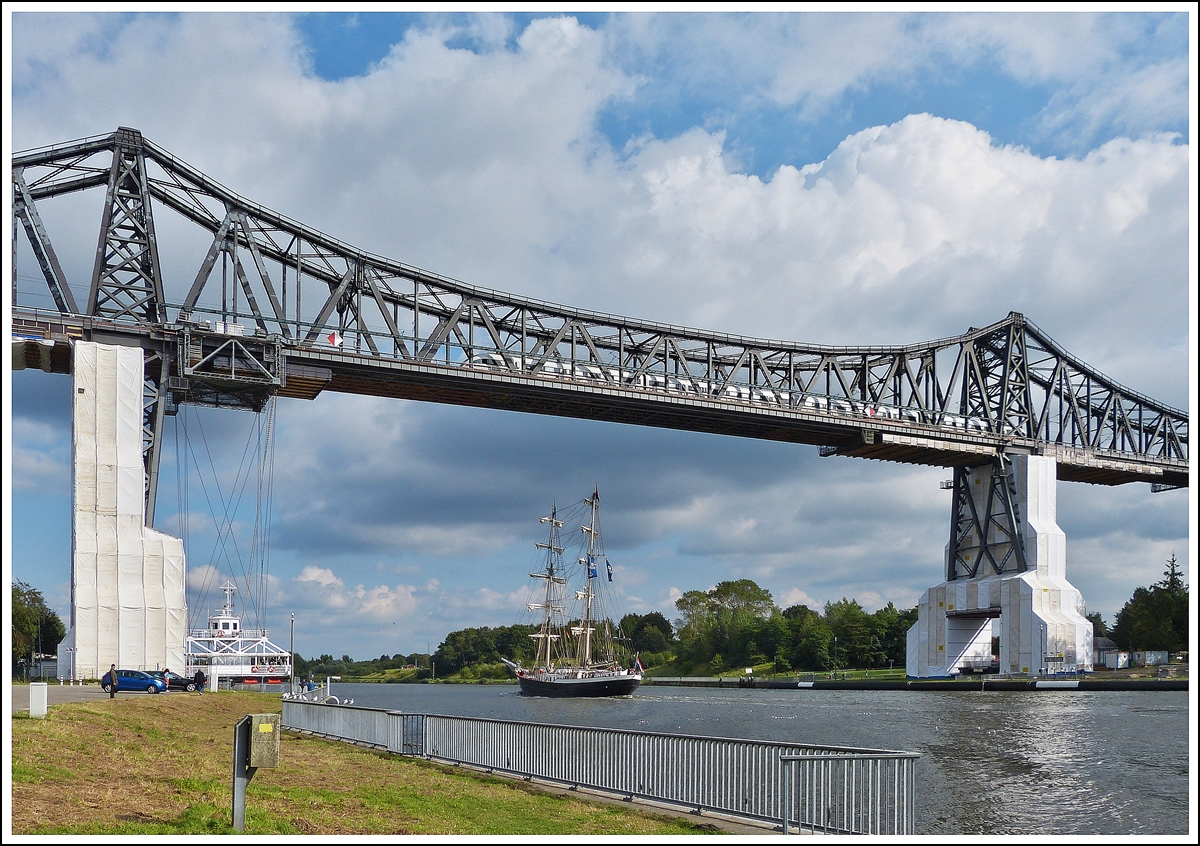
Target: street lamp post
[292,656]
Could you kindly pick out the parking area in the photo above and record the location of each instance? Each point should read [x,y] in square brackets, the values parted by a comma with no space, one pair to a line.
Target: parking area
[58,694]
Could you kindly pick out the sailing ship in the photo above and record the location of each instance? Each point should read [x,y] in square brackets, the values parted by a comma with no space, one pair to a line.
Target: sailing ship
[577,658]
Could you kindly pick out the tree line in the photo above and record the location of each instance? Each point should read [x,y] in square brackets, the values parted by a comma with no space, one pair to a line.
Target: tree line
[737,624]
[734,625]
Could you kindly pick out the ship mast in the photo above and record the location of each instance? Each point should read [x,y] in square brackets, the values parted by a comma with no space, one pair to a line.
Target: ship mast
[586,595]
[547,606]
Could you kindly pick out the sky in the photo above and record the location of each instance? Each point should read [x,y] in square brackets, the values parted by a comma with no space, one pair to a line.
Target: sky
[835,178]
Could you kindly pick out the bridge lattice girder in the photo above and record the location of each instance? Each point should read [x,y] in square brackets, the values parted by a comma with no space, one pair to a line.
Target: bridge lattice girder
[408,332]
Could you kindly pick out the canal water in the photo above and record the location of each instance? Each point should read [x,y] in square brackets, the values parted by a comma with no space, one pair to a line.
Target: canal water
[1046,762]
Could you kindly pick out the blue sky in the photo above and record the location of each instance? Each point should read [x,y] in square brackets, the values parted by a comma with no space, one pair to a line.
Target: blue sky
[832,178]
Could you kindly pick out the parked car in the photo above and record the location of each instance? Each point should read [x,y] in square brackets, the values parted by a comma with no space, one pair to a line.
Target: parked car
[174,680]
[136,680]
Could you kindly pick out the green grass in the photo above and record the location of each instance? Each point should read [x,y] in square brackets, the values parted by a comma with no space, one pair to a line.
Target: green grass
[161,765]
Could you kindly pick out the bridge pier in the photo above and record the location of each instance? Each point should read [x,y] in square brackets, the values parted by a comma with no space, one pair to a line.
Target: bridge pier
[1006,583]
[128,600]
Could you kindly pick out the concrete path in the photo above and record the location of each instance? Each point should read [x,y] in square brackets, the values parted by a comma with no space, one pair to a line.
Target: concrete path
[56,694]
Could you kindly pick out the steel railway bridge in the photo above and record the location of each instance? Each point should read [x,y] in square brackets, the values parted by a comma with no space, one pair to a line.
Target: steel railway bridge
[276,308]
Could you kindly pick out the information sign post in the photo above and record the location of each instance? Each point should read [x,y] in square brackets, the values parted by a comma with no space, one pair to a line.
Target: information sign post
[255,744]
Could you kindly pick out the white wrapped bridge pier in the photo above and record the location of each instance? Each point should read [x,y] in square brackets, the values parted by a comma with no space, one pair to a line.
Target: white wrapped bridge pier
[128,600]
[1037,615]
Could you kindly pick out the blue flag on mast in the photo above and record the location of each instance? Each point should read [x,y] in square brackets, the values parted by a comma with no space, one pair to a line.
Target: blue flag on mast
[609,564]
[591,565]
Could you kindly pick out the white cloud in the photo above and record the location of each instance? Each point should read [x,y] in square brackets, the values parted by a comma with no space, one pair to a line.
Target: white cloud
[321,575]
[204,578]
[815,62]
[322,589]
[795,596]
[40,456]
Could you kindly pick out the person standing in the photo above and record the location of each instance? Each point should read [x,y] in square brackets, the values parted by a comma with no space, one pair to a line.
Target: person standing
[110,679]
[199,679]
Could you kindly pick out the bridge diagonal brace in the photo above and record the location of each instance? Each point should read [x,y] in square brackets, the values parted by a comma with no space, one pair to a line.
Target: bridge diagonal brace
[962,496]
[590,343]
[441,332]
[42,249]
[276,306]
[996,525]
[364,331]
[550,347]
[401,347]
[488,323]
[1004,466]
[679,356]
[648,357]
[240,273]
[206,267]
[763,369]
[334,298]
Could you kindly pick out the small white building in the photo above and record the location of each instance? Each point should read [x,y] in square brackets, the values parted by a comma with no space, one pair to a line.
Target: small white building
[1116,660]
[1152,658]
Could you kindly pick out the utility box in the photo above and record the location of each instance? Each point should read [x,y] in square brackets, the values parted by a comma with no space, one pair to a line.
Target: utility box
[255,744]
[37,700]
[264,740]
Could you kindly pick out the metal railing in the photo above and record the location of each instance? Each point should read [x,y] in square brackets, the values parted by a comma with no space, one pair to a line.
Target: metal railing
[789,785]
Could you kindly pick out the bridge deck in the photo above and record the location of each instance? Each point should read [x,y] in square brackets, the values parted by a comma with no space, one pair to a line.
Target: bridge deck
[311,370]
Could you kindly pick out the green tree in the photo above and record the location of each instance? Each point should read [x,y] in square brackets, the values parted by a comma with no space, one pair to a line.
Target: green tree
[1099,627]
[695,626]
[743,597]
[811,639]
[1155,617]
[486,645]
[858,640]
[892,626]
[647,633]
[35,626]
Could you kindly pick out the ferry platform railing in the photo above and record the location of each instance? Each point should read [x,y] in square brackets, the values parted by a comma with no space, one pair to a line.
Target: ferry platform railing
[789,786]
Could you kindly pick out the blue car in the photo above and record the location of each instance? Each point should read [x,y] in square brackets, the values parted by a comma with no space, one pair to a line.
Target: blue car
[137,681]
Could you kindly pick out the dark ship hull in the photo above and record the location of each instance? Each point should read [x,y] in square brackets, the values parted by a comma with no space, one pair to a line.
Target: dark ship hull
[599,685]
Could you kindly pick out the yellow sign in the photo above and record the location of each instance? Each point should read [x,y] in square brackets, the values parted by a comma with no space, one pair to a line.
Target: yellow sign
[267,727]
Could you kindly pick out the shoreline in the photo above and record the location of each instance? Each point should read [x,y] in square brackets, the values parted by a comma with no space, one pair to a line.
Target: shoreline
[970,684]
[928,684]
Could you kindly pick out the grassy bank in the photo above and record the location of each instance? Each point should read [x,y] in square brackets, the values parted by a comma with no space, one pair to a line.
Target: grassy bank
[144,764]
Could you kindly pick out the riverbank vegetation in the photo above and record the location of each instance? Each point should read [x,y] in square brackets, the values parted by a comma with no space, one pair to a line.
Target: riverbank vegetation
[140,765]
[724,630]
[737,625]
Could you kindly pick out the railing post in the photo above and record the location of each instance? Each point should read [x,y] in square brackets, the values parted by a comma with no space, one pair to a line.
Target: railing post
[787,784]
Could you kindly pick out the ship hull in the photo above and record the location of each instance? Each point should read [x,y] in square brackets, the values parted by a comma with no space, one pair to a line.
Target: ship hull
[603,686]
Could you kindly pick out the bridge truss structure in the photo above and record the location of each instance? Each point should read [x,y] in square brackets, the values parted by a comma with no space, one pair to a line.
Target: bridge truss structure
[274,307]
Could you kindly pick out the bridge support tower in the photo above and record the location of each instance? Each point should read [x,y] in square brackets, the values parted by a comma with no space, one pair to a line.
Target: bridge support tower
[1006,592]
[128,601]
